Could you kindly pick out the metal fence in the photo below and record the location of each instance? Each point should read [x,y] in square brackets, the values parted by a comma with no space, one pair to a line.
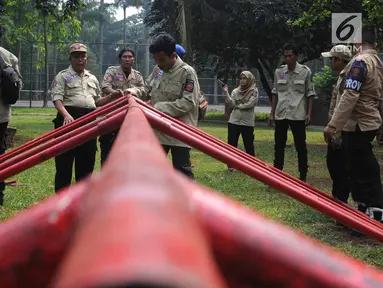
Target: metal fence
[101,56]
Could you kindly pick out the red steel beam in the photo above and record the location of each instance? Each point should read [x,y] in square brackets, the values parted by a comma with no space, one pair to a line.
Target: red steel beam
[98,128]
[257,161]
[249,250]
[57,141]
[150,237]
[323,204]
[33,243]
[64,129]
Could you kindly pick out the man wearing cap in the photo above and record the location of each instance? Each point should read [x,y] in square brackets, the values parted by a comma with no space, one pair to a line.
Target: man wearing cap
[118,78]
[173,89]
[337,160]
[76,92]
[359,116]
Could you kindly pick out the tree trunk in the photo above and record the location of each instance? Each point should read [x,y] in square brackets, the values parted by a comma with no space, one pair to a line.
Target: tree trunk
[124,25]
[46,66]
[101,37]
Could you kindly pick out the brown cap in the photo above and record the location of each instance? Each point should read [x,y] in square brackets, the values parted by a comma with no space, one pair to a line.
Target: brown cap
[340,51]
[78,47]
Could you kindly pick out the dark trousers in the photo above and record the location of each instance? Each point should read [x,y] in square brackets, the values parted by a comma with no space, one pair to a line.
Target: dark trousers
[106,143]
[3,128]
[298,128]
[83,156]
[339,168]
[366,186]
[180,159]
[247,133]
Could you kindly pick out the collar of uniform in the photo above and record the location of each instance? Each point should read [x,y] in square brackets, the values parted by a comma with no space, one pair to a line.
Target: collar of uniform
[369,51]
[297,69]
[86,72]
[178,63]
[132,75]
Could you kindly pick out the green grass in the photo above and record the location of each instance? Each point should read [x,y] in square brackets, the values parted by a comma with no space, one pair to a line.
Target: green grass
[38,183]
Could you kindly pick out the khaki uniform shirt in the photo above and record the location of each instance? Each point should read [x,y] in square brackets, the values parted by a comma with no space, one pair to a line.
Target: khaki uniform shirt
[115,78]
[82,91]
[292,88]
[176,93]
[359,103]
[10,59]
[243,113]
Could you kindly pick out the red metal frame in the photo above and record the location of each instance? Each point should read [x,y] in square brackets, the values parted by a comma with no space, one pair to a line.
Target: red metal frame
[142,216]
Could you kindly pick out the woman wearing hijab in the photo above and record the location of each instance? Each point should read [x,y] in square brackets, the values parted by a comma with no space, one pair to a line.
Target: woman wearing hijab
[241,104]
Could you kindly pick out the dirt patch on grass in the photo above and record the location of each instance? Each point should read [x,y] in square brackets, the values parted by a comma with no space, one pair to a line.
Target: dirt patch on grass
[319,182]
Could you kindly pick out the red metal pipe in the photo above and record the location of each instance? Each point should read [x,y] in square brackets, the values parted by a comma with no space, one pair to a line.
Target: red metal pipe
[104,126]
[64,129]
[255,160]
[16,159]
[307,196]
[253,251]
[33,242]
[149,235]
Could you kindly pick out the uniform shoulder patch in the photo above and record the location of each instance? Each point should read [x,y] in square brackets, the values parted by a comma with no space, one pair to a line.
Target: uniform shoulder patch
[54,83]
[356,75]
[189,85]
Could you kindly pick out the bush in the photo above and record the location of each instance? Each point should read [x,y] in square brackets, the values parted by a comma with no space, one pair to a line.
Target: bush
[324,82]
[219,116]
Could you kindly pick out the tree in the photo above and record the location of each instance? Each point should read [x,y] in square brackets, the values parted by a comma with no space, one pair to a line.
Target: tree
[23,20]
[245,33]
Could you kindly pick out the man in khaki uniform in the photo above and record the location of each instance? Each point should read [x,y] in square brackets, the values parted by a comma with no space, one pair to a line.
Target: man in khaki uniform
[291,107]
[173,89]
[358,115]
[5,109]
[76,92]
[118,78]
[337,160]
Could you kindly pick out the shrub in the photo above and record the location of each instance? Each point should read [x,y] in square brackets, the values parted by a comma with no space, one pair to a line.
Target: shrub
[324,82]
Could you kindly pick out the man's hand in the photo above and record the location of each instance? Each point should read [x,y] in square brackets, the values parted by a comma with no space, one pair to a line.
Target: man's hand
[68,119]
[308,119]
[149,102]
[329,133]
[129,93]
[116,94]
[271,120]
[225,88]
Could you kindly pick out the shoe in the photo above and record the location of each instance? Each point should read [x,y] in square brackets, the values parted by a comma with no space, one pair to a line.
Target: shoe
[230,169]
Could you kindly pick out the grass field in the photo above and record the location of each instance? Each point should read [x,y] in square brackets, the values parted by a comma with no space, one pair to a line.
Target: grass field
[38,182]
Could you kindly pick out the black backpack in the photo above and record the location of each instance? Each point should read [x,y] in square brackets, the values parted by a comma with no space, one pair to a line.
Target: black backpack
[10,83]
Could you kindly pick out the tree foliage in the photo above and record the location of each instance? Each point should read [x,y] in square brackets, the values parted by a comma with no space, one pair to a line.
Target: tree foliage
[324,82]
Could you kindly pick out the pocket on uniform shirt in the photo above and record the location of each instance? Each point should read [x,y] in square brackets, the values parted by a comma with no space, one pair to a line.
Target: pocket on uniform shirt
[72,88]
[173,90]
[299,85]
[92,88]
[282,85]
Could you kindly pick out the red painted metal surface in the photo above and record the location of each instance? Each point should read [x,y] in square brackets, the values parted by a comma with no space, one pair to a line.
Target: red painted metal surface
[149,235]
[325,205]
[250,250]
[65,129]
[274,171]
[98,128]
[33,242]
[57,141]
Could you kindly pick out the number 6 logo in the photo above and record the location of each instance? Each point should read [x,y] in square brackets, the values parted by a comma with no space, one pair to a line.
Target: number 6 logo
[345,28]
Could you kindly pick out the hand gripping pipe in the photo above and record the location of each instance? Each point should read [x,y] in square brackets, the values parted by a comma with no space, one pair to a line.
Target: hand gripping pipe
[135,227]
[308,196]
[33,243]
[255,160]
[56,141]
[66,128]
[95,129]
